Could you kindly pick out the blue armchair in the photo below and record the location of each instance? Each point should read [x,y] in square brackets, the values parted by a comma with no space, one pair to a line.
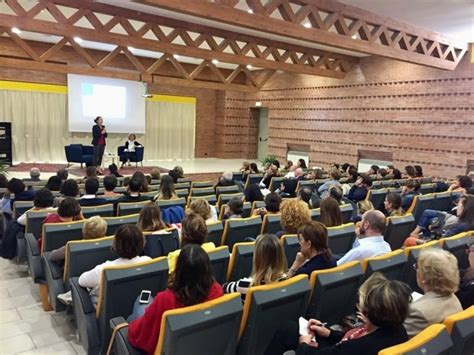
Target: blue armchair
[78,153]
[135,157]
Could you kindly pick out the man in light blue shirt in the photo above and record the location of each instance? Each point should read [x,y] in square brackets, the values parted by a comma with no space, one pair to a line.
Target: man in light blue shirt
[370,240]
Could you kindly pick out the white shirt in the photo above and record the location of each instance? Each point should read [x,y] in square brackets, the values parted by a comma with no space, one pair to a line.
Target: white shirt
[364,248]
[91,278]
[131,146]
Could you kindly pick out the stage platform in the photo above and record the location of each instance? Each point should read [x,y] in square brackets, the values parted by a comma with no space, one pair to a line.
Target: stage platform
[201,169]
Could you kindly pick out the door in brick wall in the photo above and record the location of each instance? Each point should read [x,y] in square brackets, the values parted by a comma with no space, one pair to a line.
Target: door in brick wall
[262,133]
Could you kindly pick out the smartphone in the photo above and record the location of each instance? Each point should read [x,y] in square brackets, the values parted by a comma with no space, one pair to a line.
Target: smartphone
[145,297]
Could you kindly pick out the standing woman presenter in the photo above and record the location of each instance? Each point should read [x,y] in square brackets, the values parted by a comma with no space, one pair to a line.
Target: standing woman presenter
[98,141]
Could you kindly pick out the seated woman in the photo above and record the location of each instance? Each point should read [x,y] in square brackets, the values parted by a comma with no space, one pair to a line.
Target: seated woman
[69,188]
[193,231]
[301,163]
[18,189]
[462,185]
[294,215]
[437,274]
[113,170]
[271,172]
[252,193]
[129,150]
[330,212]
[167,191]
[191,283]
[447,224]
[269,266]
[93,228]
[128,244]
[383,306]
[43,200]
[314,251]
[393,205]
[138,175]
[149,219]
[202,208]
[54,183]
[335,175]
[465,294]
[272,205]
[233,209]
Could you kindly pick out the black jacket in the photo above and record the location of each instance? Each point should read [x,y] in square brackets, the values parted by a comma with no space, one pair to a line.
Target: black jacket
[96,134]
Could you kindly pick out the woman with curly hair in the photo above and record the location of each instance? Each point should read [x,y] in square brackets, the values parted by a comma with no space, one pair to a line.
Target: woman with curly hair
[294,214]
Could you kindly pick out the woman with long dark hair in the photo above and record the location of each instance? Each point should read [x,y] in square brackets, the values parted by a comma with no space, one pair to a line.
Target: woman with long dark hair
[167,191]
[191,283]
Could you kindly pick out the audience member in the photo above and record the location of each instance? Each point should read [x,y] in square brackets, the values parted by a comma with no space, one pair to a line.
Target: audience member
[54,183]
[252,193]
[201,207]
[149,219]
[110,183]
[335,175]
[410,172]
[370,241]
[437,275]
[69,188]
[305,194]
[93,228]
[465,294]
[288,186]
[396,174]
[155,174]
[138,175]
[3,181]
[364,206]
[18,189]
[272,205]
[254,169]
[128,245]
[373,170]
[271,172]
[330,212]
[91,172]
[90,198]
[345,167]
[234,208]
[167,191]
[193,231]
[132,195]
[445,224]
[382,174]
[418,171]
[288,165]
[358,191]
[314,251]
[34,175]
[409,190]
[353,175]
[301,163]
[176,173]
[383,306]
[227,179]
[269,265]
[113,170]
[245,168]
[192,283]
[62,174]
[43,200]
[393,204]
[294,215]
[462,185]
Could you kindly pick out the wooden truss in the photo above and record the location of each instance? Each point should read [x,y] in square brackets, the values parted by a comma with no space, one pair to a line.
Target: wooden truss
[251,60]
[330,23]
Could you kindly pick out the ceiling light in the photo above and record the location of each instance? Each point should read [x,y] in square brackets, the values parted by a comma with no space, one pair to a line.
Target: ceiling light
[307,25]
[215,61]
[354,36]
[16,30]
[175,56]
[131,49]
[77,39]
[250,11]
[258,103]
[249,66]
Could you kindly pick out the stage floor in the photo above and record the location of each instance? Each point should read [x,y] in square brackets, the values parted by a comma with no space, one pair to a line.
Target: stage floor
[192,166]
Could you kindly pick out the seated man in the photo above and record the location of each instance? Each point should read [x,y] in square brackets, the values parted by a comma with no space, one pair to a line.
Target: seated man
[18,189]
[34,175]
[132,195]
[90,198]
[227,179]
[110,183]
[288,187]
[370,240]
[358,191]
[234,208]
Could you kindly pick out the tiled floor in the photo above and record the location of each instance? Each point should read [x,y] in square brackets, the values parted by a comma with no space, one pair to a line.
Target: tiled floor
[24,327]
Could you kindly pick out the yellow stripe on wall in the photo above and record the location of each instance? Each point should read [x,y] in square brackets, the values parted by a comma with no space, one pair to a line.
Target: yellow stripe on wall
[173,99]
[22,86]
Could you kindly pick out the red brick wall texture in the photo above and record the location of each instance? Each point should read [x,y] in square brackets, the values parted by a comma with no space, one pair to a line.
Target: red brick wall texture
[422,115]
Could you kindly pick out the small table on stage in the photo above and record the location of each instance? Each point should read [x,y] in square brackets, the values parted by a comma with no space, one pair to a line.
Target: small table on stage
[110,158]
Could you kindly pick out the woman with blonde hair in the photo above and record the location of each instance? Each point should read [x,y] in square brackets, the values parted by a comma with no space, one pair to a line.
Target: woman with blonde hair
[269,266]
[294,214]
[149,219]
[202,208]
[93,228]
[437,274]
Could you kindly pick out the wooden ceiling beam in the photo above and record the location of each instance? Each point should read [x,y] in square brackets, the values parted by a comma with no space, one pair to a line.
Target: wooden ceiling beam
[332,31]
[226,51]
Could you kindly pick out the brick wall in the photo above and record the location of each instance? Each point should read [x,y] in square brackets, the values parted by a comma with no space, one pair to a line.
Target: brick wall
[424,116]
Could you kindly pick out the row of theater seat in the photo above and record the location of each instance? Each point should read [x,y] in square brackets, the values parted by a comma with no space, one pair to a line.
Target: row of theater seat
[328,294]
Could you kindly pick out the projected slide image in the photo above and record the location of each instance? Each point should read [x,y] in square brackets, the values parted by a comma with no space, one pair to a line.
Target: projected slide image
[110,99]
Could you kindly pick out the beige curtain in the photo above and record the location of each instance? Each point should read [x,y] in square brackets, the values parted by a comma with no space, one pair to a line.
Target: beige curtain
[40,128]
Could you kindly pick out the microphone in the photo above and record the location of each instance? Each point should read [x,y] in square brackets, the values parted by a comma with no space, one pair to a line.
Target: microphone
[103,126]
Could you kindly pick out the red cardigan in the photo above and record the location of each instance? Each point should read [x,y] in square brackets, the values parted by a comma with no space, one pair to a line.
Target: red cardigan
[143,332]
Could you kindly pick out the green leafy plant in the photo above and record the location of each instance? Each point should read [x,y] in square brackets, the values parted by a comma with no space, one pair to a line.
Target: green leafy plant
[268,159]
[4,167]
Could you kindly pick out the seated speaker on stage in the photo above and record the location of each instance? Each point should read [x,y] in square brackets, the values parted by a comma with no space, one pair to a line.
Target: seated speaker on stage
[129,151]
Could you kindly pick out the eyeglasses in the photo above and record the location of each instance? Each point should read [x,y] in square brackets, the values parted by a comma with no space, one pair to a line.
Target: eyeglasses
[415,266]
[470,250]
